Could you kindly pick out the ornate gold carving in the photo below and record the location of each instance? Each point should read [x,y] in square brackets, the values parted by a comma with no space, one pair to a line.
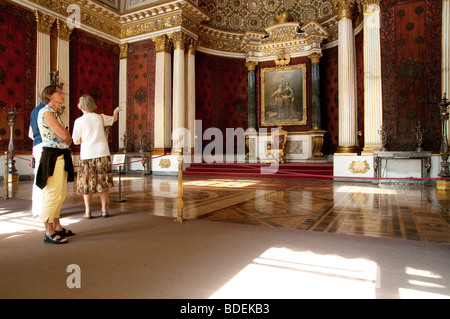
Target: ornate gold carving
[315,57]
[359,167]
[191,46]
[283,17]
[123,50]
[164,163]
[317,143]
[370,6]
[178,39]
[253,15]
[162,43]
[344,8]
[44,22]
[282,59]
[63,30]
[251,65]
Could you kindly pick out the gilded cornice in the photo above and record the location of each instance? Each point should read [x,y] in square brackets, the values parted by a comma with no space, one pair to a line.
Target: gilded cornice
[219,40]
[44,22]
[285,37]
[150,26]
[185,16]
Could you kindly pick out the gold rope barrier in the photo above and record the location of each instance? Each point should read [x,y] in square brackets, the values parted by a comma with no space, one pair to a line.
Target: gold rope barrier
[180,196]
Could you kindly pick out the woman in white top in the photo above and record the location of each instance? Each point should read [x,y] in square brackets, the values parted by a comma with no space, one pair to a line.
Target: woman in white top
[94,171]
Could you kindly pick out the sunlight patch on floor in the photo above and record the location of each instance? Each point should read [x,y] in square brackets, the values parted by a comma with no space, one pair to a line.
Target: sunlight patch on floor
[287,274]
[220,183]
[19,223]
[365,190]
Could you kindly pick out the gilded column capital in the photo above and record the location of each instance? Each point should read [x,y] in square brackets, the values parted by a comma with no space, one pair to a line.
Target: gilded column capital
[44,22]
[123,50]
[63,30]
[191,45]
[370,6]
[315,57]
[251,65]
[162,43]
[344,8]
[178,39]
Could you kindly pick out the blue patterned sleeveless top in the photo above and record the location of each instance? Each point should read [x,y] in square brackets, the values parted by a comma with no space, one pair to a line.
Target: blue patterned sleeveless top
[49,138]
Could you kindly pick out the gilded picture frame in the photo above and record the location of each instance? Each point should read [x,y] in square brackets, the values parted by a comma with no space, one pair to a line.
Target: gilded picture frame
[283,95]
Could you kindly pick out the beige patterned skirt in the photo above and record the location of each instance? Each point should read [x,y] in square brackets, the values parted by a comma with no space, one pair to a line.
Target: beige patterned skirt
[94,175]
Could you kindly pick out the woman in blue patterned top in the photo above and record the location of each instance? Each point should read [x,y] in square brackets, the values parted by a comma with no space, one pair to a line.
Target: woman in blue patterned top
[55,167]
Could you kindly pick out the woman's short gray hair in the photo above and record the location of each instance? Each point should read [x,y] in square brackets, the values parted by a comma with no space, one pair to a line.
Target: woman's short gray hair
[87,103]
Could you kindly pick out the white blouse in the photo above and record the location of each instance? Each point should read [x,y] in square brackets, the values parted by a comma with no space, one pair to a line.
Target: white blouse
[89,128]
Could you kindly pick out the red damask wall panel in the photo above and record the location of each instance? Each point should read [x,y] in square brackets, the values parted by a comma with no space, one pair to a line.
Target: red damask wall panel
[141,95]
[94,70]
[411,71]
[221,92]
[329,99]
[17,73]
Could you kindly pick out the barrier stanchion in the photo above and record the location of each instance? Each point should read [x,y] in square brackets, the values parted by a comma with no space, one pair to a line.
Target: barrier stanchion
[119,160]
[6,178]
[180,196]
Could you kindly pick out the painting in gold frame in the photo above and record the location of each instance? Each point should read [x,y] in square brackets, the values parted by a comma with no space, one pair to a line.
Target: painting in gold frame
[283,95]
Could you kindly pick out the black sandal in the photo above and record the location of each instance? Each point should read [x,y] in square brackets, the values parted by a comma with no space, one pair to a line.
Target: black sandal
[64,232]
[51,239]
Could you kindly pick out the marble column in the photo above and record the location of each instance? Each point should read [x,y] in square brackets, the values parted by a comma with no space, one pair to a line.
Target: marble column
[347,79]
[43,64]
[123,94]
[446,47]
[316,114]
[373,97]
[179,112]
[190,94]
[63,66]
[251,66]
[163,95]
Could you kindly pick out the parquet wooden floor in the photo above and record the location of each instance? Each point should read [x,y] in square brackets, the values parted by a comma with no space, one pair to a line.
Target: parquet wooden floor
[410,212]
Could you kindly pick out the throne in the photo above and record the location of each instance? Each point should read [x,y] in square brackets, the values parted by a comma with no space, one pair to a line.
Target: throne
[276,148]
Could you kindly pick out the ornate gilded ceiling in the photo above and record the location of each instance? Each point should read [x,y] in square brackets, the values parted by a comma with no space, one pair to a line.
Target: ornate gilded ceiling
[256,15]
[218,26]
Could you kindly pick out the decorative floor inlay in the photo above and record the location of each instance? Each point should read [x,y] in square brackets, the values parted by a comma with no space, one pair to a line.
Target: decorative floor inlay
[411,212]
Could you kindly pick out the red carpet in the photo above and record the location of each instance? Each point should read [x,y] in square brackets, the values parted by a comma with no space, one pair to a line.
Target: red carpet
[309,171]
